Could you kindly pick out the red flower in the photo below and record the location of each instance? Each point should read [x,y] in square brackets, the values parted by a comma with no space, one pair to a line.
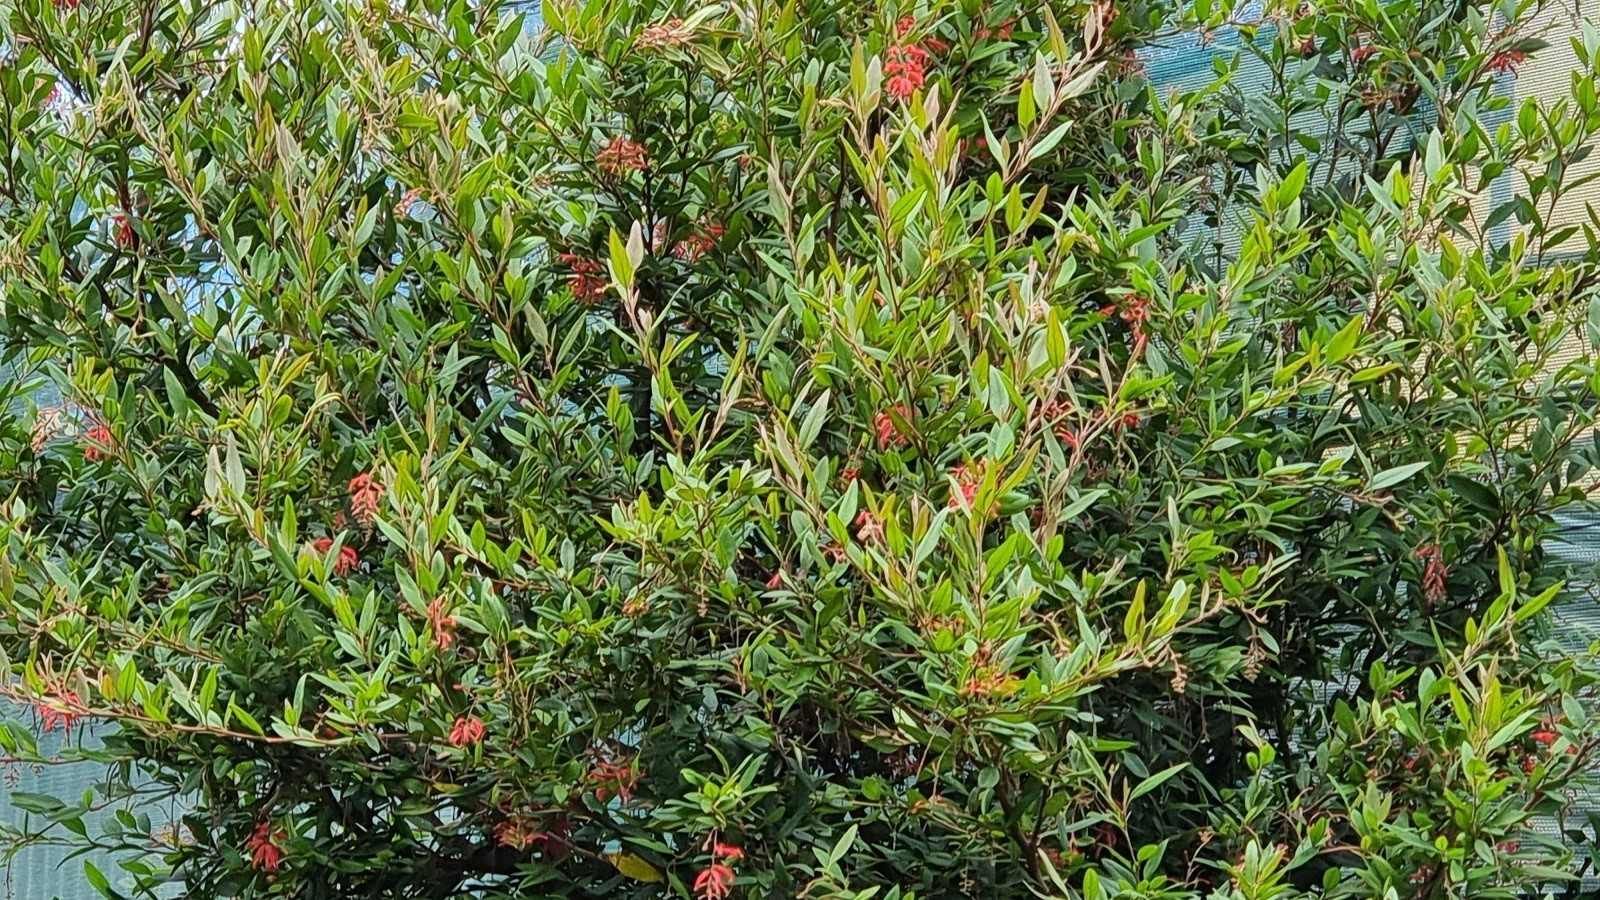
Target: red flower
[1434,573]
[467,730]
[442,623]
[849,474]
[714,882]
[671,33]
[46,425]
[889,433]
[61,710]
[406,202]
[1544,737]
[696,245]
[621,156]
[518,833]
[1528,763]
[906,67]
[989,681]
[1308,46]
[967,479]
[730,852]
[366,495]
[265,853]
[1361,54]
[1000,32]
[1056,416]
[98,444]
[1128,420]
[1133,309]
[1507,61]
[932,43]
[613,778]
[348,557]
[588,280]
[122,230]
[776,581]
[869,527]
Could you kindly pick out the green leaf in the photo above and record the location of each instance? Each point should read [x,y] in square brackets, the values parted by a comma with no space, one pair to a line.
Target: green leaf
[98,881]
[842,846]
[1156,780]
[621,265]
[1388,478]
[1081,503]
[1344,340]
[1293,183]
[1048,142]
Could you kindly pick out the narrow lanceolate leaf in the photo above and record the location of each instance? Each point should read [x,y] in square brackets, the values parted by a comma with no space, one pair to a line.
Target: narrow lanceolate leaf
[1391,477]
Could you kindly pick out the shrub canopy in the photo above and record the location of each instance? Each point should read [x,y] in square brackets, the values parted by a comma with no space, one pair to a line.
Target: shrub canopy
[819,449]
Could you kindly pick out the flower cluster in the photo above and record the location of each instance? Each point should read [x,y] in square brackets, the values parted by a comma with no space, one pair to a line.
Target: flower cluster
[869,528]
[663,35]
[265,847]
[47,425]
[933,44]
[347,560]
[366,495]
[1435,574]
[403,206]
[906,66]
[1000,32]
[588,280]
[1056,416]
[122,230]
[614,778]
[518,833]
[62,710]
[1506,62]
[967,479]
[989,681]
[715,881]
[1134,310]
[442,623]
[622,156]
[466,731]
[889,430]
[98,444]
[698,244]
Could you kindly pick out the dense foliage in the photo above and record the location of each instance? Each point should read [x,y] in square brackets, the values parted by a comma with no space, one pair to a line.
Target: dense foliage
[818,449]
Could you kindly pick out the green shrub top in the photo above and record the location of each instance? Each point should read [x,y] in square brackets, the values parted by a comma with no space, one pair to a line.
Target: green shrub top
[818,449]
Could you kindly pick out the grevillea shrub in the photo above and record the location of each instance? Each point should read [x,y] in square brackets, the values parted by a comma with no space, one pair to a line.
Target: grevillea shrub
[818,449]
